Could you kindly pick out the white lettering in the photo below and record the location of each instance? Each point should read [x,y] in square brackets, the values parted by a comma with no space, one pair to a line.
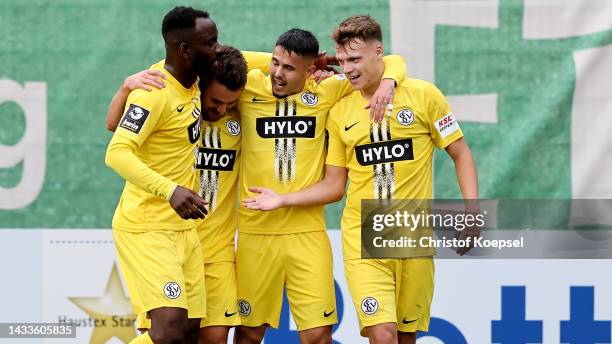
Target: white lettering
[397,151]
[301,127]
[269,128]
[223,160]
[367,155]
[31,149]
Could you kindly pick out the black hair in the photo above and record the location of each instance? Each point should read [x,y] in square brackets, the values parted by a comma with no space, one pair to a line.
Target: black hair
[180,18]
[299,41]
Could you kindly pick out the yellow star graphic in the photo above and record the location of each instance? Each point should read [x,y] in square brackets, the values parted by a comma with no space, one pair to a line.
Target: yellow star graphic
[112,311]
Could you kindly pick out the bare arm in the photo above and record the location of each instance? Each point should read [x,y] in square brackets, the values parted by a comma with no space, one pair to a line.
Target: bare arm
[115,109]
[330,189]
[465,168]
[395,74]
[144,80]
[467,177]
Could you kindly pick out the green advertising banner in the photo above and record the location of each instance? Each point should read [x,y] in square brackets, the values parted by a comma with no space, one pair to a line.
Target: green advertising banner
[529,91]
[63,61]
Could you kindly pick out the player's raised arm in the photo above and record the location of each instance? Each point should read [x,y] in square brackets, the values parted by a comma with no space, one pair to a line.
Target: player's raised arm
[257,60]
[262,60]
[394,73]
[141,80]
[330,189]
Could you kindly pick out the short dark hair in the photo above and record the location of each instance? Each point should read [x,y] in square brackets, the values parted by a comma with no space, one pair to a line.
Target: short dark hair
[362,27]
[299,41]
[180,18]
[229,68]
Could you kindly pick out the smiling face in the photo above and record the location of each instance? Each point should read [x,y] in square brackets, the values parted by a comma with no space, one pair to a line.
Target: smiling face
[361,62]
[289,71]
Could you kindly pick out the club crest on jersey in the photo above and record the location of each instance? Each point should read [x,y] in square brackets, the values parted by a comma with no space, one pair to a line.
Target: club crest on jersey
[172,290]
[383,152]
[369,305]
[215,159]
[405,117]
[244,307]
[134,118]
[233,127]
[286,127]
[309,98]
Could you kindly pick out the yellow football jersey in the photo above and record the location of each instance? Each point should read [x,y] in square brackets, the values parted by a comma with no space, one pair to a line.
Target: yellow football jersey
[218,162]
[164,126]
[284,146]
[283,149]
[392,159]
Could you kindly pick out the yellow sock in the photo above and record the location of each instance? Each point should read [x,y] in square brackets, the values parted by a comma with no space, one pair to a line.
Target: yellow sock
[142,339]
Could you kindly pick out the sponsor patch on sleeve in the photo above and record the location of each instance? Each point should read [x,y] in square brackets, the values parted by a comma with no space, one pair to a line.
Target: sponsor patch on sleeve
[340,76]
[134,118]
[447,125]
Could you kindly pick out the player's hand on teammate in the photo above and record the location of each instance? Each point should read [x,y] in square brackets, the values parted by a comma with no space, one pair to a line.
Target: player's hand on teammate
[265,199]
[145,80]
[188,204]
[320,75]
[323,63]
[382,100]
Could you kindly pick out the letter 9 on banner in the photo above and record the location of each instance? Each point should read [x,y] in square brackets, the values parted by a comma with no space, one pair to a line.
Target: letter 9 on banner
[31,149]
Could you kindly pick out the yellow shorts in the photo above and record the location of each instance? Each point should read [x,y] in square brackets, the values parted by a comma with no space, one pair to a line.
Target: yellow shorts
[162,269]
[221,299]
[302,262]
[221,304]
[391,290]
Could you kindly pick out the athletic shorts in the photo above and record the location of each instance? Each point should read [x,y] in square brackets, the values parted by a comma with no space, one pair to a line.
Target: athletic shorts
[302,263]
[221,301]
[391,290]
[162,268]
[221,297]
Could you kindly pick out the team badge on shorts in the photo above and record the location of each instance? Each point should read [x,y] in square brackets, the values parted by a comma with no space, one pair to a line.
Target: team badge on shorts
[309,99]
[369,305]
[172,290]
[405,117]
[244,307]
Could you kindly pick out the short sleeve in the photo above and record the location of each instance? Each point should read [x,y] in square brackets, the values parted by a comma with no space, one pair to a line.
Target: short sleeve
[337,86]
[395,68]
[444,126]
[257,60]
[336,148]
